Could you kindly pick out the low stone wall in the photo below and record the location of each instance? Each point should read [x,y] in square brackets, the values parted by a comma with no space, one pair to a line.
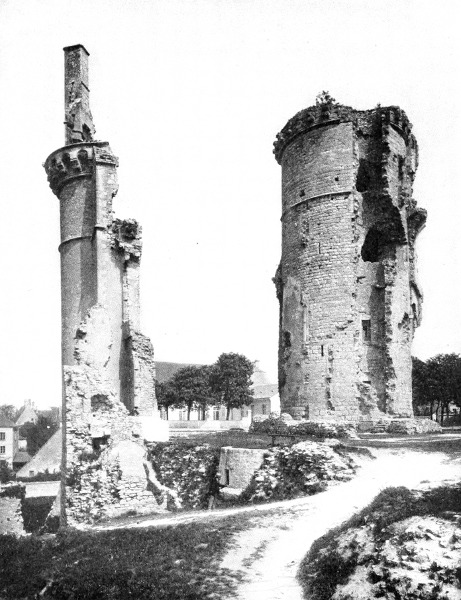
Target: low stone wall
[280,426]
[11,498]
[399,426]
[412,426]
[237,466]
[209,425]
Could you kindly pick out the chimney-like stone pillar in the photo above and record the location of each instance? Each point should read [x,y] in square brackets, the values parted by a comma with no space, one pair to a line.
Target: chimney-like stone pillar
[108,367]
[78,119]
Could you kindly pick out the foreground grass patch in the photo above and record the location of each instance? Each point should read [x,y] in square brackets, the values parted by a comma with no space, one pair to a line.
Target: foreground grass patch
[161,563]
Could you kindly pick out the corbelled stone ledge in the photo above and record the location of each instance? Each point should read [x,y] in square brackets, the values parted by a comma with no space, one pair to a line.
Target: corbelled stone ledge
[330,113]
[76,160]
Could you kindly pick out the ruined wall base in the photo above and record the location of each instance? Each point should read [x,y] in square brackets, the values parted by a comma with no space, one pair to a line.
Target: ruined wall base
[104,456]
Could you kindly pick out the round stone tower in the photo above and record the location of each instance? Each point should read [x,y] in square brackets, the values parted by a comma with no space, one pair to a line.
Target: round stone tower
[349,299]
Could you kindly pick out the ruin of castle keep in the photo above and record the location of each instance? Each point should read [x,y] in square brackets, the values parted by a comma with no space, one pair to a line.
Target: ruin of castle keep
[109,405]
[347,287]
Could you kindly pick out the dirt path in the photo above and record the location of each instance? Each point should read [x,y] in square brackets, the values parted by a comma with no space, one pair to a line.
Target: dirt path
[268,558]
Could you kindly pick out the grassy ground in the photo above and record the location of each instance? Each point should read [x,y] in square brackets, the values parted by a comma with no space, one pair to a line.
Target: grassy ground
[163,563]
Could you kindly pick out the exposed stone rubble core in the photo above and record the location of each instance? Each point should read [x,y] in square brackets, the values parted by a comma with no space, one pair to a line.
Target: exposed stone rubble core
[347,287]
[109,405]
[11,499]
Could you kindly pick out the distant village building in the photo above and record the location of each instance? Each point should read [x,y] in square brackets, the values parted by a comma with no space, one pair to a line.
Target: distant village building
[9,437]
[47,460]
[21,458]
[10,452]
[265,400]
[28,414]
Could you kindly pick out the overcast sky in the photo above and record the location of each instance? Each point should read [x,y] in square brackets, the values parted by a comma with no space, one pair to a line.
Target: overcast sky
[190,95]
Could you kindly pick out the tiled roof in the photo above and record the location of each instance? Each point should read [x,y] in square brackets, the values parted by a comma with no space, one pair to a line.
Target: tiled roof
[166,370]
[21,457]
[27,415]
[48,457]
[260,378]
[265,391]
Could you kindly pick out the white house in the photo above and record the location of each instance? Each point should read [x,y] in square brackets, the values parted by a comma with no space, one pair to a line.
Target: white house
[9,440]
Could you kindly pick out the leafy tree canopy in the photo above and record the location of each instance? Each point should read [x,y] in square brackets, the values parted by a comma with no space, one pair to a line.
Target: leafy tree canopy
[231,380]
[437,382]
[188,388]
[39,433]
[9,412]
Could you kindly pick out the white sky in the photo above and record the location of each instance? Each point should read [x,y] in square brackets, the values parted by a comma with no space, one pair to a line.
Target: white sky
[190,95]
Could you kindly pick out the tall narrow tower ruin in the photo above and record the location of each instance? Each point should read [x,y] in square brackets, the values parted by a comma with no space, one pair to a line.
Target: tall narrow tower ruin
[109,405]
[347,287]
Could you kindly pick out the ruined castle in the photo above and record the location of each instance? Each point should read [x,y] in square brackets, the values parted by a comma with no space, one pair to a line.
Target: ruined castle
[109,405]
[347,287]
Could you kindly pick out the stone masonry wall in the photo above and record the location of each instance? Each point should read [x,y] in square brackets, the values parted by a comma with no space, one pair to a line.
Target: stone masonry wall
[105,471]
[349,301]
[237,465]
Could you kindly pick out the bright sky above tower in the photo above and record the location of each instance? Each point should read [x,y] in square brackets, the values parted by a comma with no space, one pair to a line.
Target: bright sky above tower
[190,95]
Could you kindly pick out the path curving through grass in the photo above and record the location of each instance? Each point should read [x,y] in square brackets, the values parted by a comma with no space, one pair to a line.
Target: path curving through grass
[266,557]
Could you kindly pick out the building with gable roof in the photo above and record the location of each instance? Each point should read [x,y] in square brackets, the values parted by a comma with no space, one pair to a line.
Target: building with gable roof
[28,413]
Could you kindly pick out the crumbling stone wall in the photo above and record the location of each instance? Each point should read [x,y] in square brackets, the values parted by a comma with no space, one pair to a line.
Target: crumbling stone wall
[11,500]
[109,404]
[349,299]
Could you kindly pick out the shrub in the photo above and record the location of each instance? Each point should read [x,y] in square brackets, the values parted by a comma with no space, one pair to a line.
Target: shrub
[187,469]
[403,545]
[283,426]
[6,474]
[13,490]
[35,512]
[272,425]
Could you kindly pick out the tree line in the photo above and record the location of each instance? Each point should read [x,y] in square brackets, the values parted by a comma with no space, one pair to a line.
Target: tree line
[227,382]
[437,385]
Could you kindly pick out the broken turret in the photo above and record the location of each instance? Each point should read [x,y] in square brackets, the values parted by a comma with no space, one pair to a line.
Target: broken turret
[109,405]
[349,297]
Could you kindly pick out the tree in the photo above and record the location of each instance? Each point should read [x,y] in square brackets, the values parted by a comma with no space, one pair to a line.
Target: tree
[421,402]
[166,397]
[189,387]
[231,380]
[9,412]
[6,474]
[437,383]
[39,433]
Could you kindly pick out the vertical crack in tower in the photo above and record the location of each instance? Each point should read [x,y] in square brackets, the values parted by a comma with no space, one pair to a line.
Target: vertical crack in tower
[346,283]
[109,405]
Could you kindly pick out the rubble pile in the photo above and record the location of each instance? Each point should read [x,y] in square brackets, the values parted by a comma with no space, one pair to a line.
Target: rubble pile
[406,545]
